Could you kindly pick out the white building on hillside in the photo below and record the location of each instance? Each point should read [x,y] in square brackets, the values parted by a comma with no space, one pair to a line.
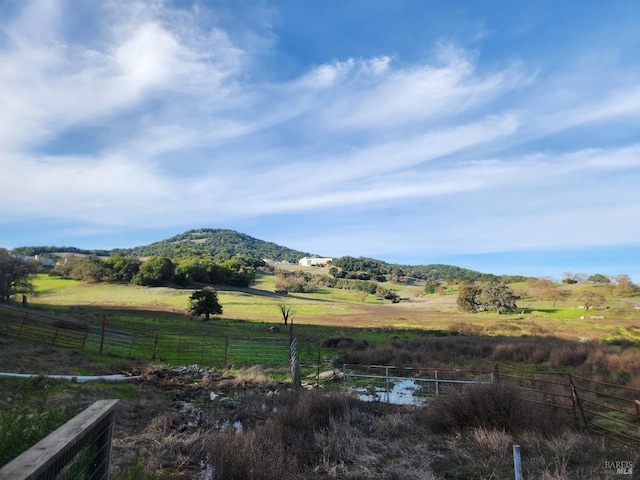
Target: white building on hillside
[314,261]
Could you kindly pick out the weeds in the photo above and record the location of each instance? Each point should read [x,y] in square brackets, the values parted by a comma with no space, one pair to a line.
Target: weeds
[29,417]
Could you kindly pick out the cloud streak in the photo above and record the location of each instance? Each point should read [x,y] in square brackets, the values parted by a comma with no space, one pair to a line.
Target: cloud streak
[161,116]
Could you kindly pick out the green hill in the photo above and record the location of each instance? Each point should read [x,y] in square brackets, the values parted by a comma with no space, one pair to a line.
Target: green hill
[214,242]
[223,244]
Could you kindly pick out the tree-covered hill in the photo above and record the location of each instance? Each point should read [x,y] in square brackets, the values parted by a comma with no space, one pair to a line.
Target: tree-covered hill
[222,244]
[214,242]
[370,268]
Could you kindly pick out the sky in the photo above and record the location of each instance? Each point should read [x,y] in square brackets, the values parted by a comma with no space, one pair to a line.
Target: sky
[499,136]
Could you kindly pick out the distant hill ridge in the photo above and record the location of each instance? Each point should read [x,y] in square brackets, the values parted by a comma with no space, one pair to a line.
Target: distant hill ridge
[215,242]
[226,243]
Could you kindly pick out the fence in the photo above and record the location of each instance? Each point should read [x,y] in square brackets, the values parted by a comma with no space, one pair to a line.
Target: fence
[42,328]
[167,348]
[603,408]
[80,449]
[414,386]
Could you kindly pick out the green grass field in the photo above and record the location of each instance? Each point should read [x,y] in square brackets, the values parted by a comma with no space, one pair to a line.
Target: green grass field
[340,311]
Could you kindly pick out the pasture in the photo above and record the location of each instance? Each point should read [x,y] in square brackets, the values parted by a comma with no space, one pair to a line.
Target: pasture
[329,309]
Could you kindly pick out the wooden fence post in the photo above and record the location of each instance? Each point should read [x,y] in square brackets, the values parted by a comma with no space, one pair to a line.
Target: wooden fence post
[24,320]
[104,323]
[155,349]
[495,373]
[318,376]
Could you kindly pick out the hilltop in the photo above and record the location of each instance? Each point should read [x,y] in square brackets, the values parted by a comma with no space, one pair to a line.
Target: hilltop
[198,242]
[215,242]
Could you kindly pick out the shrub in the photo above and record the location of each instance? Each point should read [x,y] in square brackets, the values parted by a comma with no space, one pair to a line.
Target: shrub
[493,406]
[249,455]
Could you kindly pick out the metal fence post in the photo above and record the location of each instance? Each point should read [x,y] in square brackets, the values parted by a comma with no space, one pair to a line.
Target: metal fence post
[386,383]
[344,375]
[517,462]
[576,400]
[435,374]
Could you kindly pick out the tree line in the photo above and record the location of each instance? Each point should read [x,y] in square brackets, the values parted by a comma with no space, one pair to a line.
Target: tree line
[237,271]
[363,268]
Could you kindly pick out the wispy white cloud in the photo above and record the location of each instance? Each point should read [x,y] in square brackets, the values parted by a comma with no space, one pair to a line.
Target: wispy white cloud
[189,131]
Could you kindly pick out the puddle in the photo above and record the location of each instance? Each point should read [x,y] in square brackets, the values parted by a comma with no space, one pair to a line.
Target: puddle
[404,392]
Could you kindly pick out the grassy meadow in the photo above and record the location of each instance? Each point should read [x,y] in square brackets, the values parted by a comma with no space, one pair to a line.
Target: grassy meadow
[325,309]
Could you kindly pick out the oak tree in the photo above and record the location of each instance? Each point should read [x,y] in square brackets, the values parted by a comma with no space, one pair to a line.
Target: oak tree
[15,274]
[204,302]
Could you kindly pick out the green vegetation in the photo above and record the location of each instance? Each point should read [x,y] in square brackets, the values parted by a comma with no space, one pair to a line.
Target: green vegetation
[486,297]
[205,302]
[157,271]
[15,275]
[28,416]
[219,242]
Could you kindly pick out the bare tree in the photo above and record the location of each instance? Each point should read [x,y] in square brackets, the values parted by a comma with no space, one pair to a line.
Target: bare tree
[624,286]
[286,312]
[551,294]
[592,299]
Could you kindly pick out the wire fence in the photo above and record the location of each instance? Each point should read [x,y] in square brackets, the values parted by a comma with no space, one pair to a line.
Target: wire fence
[78,450]
[602,408]
[176,349]
[412,386]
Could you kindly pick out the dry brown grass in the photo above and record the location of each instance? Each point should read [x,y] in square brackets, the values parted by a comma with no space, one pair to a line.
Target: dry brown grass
[301,435]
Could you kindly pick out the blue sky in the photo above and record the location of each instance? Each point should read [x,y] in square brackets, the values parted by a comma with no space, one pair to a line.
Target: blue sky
[497,135]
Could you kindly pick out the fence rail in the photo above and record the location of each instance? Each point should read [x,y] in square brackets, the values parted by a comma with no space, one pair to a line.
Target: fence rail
[80,449]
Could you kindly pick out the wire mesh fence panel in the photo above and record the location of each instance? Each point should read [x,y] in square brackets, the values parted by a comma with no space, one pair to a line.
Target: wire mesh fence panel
[263,350]
[186,350]
[43,329]
[110,341]
[407,386]
[80,449]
